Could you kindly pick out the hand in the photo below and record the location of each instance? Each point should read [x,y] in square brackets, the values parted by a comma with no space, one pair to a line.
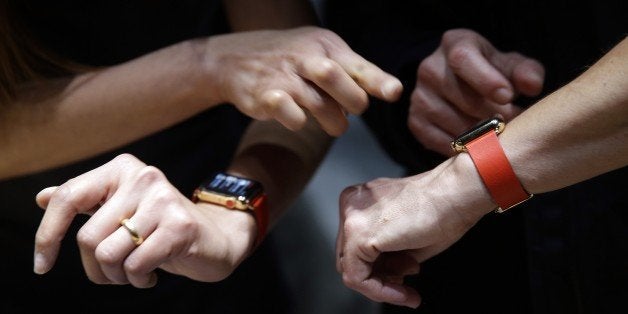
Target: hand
[281,74]
[464,81]
[389,226]
[200,241]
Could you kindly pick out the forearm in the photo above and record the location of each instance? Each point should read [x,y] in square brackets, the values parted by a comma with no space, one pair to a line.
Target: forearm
[576,133]
[282,160]
[97,111]
[244,15]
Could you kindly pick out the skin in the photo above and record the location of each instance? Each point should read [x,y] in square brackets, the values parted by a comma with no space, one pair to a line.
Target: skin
[389,226]
[202,241]
[270,74]
[467,80]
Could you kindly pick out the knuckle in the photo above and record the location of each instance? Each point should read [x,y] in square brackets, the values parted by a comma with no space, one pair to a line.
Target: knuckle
[324,70]
[317,108]
[348,192]
[248,106]
[428,71]
[458,56]
[64,193]
[349,280]
[182,221]
[150,175]
[164,196]
[353,224]
[272,100]
[133,267]
[322,34]
[452,37]
[105,255]
[87,238]
[418,100]
[125,158]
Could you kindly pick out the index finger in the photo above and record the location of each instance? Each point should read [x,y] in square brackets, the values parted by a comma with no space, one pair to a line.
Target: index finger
[60,211]
[375,81]
[468,62]
[357,274]
[78,195]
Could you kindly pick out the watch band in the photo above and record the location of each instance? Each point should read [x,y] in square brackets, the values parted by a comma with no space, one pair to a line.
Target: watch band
[260,211]
[493,166]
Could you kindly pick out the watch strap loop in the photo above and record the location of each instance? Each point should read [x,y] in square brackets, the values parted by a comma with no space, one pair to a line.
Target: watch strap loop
[260,210]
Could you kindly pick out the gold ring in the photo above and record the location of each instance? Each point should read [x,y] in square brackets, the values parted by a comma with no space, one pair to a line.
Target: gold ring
[130,227]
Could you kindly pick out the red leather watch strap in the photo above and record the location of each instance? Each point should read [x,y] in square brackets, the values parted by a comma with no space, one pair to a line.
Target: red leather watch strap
[496,171]
[260,209]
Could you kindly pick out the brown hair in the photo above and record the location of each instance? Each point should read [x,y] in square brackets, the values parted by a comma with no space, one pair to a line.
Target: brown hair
[22,59]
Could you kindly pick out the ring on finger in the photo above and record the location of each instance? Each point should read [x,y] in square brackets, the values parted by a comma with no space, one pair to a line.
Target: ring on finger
[130,227]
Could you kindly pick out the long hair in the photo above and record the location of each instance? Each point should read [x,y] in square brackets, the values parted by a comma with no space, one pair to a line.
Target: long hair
[22,58]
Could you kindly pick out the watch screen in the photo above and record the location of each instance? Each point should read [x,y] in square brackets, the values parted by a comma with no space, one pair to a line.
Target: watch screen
[231,185]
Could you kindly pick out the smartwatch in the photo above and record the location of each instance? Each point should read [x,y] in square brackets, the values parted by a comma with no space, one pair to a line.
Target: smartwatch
[488,156]
[236,193]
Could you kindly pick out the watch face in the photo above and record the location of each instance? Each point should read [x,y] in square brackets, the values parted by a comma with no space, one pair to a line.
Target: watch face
[243,189]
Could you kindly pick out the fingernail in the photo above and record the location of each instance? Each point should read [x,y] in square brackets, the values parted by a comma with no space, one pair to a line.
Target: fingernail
[391,89]
[535,77]
[502,95]
[40,264]
[153,280]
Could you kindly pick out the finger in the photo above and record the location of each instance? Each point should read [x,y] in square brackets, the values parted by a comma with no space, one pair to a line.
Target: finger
[508,111]
[371,78]
[157,250]
[526,74]
[43,197]
[280,105]
[112,251]
[439,112]
[333,79]
[169,229]
[430,136]
[325,110]
[396,264]
[339,245]
[343,207]
[443,115]
[390,291]
[468,61]
[122,205]
[436,80]
[99,261]
[79,195]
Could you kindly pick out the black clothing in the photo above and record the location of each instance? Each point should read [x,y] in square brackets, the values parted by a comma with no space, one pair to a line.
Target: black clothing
[103,33]
[561,252]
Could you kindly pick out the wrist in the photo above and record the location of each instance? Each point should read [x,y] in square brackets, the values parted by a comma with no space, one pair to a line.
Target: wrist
[470,191]
[238,227]
[205,66]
